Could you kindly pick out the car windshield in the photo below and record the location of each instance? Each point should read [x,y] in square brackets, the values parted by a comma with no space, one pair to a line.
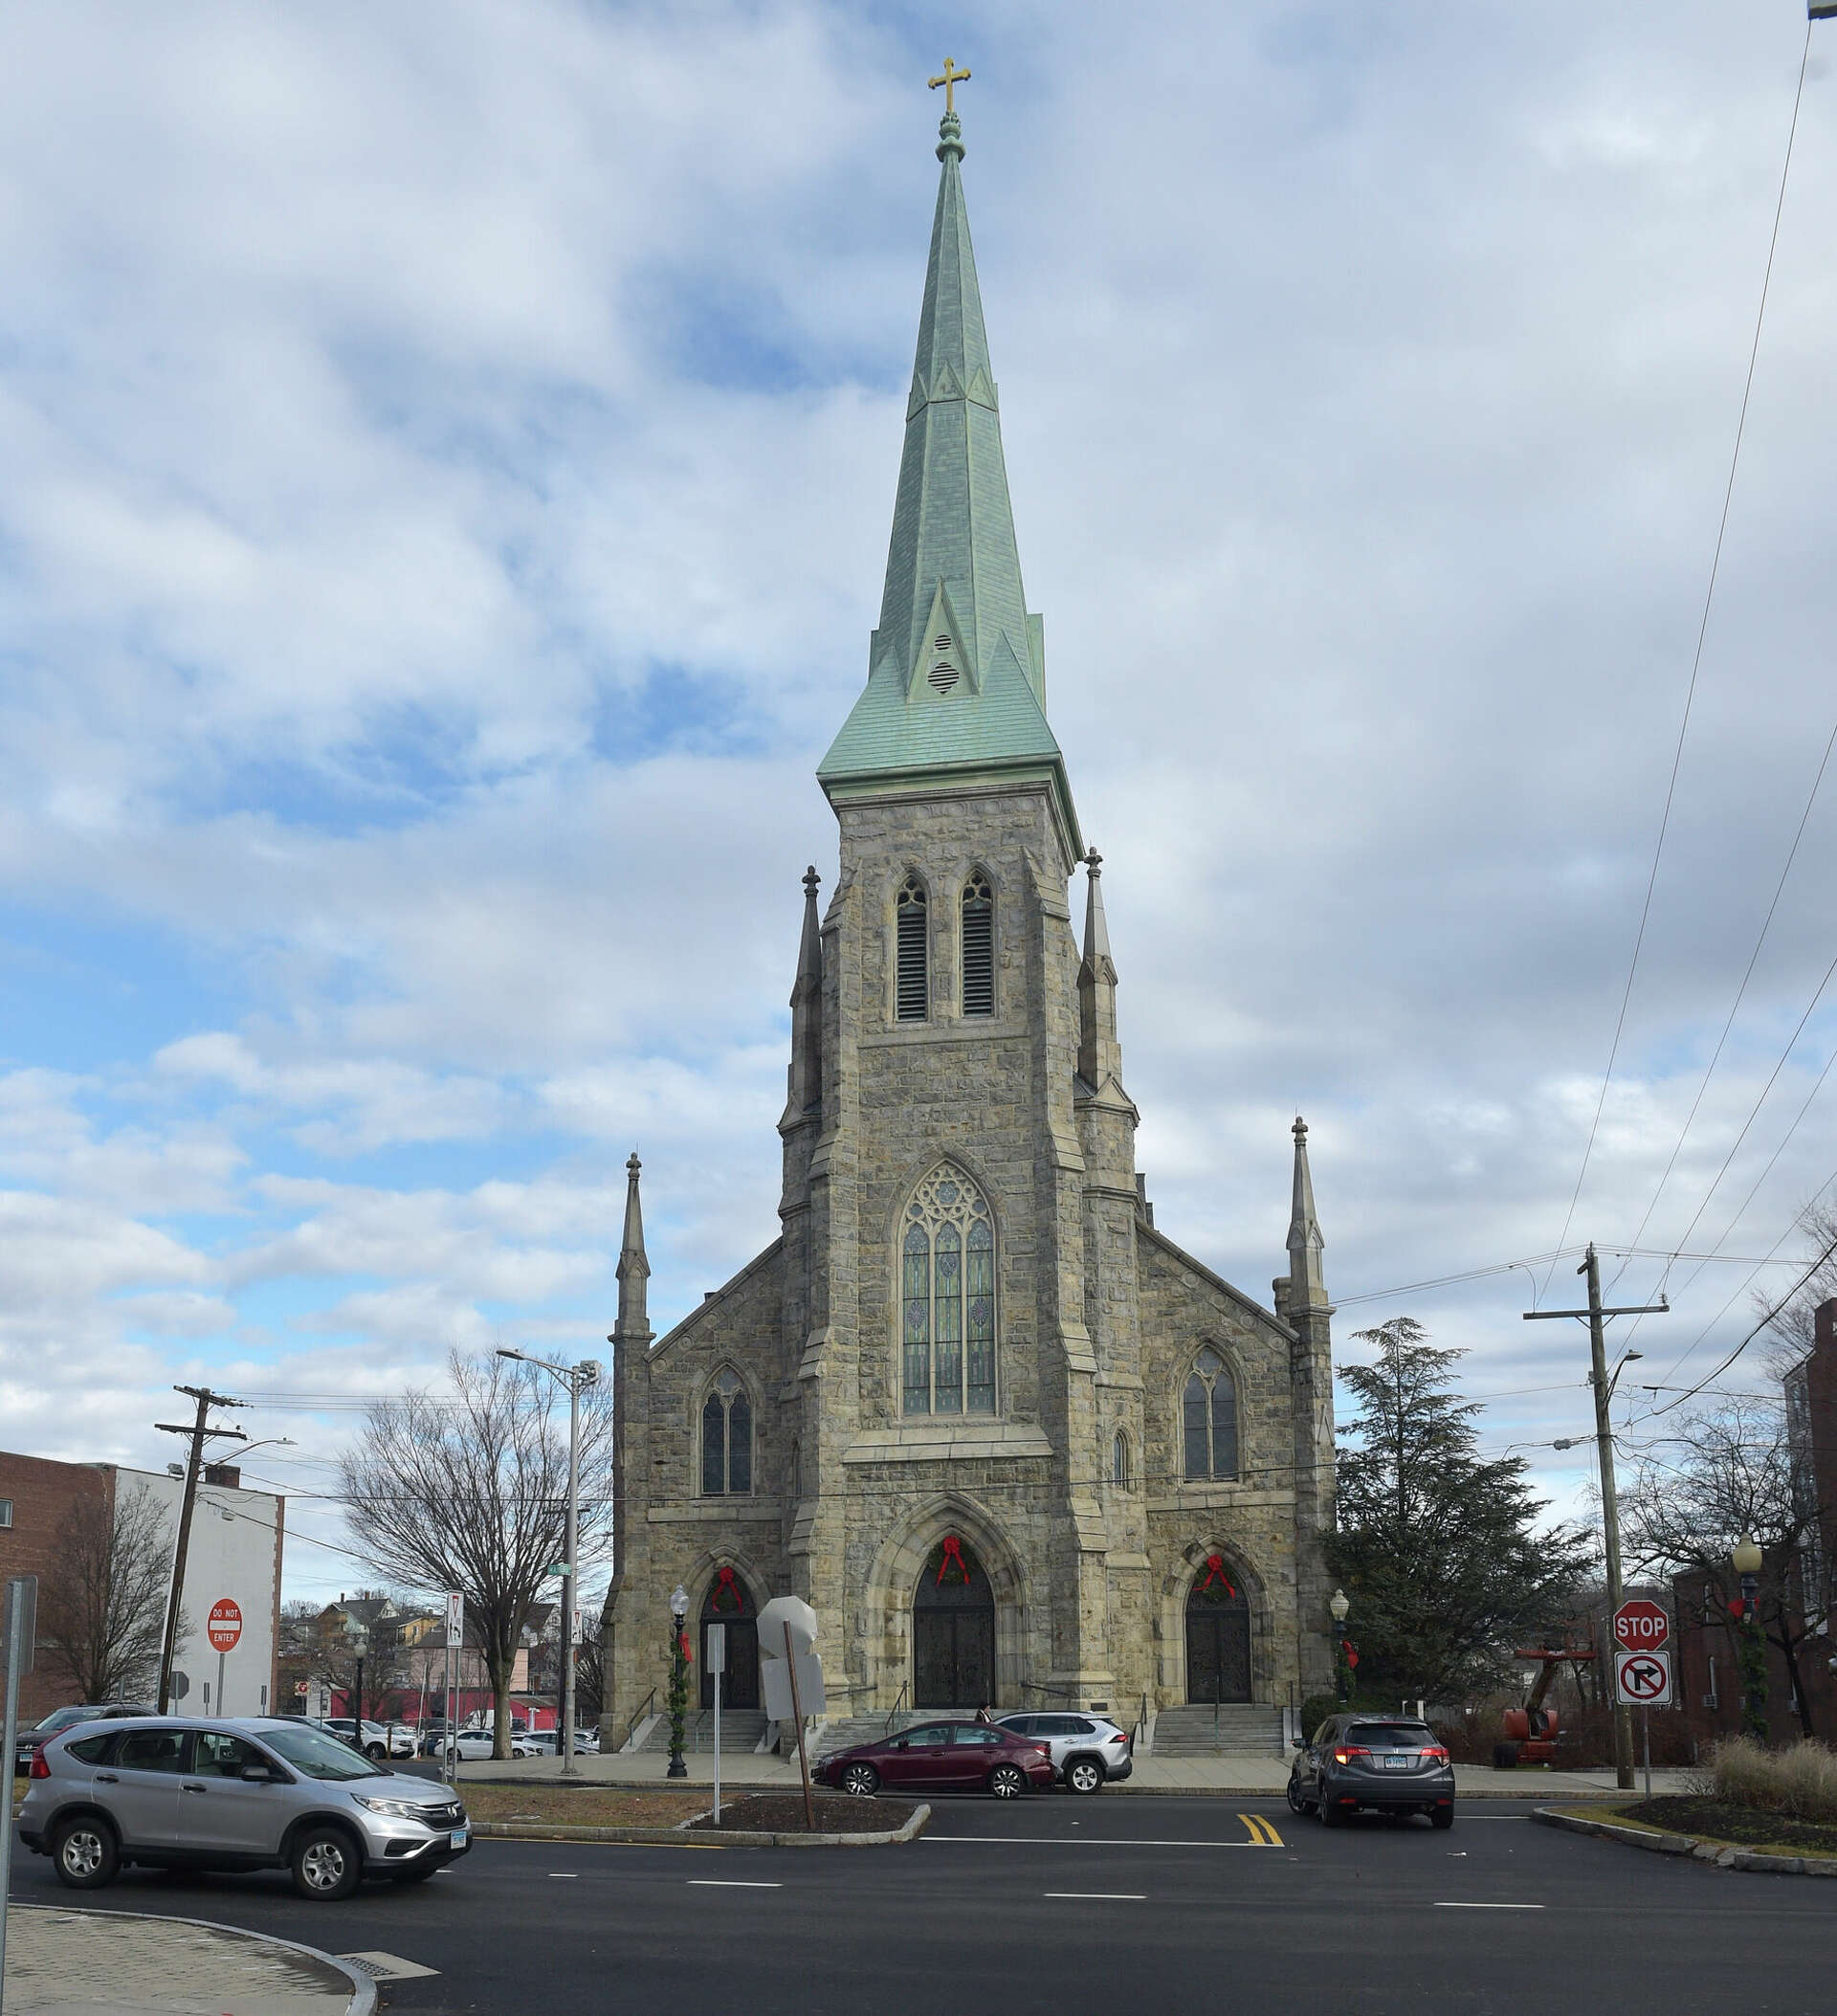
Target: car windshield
[318,1755]
[1390,1735]
[62,1718]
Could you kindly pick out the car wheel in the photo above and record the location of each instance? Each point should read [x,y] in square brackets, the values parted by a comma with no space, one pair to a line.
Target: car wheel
[326,1864]
[860,1780]
[1006,1782]
[1297,1803]
[376,1751]
[1084,1774]
[1330,1815]
[1443,1817]
[84,1852]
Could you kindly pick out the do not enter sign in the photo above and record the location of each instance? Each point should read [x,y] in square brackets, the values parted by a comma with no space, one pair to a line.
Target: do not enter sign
[1641,1625]
[225,1625]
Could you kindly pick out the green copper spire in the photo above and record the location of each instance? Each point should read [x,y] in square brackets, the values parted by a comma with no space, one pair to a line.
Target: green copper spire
[957,668]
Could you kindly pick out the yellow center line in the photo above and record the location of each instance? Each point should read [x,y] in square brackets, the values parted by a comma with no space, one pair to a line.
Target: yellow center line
[1262,1834]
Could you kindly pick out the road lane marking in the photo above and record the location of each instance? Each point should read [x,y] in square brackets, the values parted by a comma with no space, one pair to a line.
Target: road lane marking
[1442,1904]
[1100,1896]
[563,1876]
[1262,1834]
[1083,1841]
[728,1883]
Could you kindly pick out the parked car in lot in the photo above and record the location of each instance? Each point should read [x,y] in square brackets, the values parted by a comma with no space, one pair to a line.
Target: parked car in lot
[472,1744]
[245,1793]
[548,1743]
[1086,1749]
[1390,1763]
[379,1739]
[944,1756]
[30,1741]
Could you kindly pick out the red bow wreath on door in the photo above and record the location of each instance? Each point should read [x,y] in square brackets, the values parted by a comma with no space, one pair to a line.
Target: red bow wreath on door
[1215,1572]
[725,1586]
[953,1552]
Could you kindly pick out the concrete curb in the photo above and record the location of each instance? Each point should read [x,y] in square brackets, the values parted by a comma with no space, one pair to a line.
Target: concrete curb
[697,1837]
[1116,1789]
[1694,1845]
[362,2001]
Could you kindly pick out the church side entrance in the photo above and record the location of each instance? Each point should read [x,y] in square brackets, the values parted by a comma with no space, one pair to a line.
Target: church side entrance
[729,1604]
[1218,1637]
[953,1630]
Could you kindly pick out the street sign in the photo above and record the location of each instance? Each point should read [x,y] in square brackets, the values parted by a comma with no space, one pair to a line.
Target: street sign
[224,1626]
[781,1611]
[27,1605]
[714,1649]
[1643,1679]
[1642,1626]
[455,1618]
[180,1685]
[783,1705]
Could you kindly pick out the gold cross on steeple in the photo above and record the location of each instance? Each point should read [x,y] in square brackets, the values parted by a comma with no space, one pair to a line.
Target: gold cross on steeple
[950,79]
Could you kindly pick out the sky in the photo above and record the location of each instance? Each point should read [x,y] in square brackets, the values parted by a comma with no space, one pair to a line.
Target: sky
[449,454]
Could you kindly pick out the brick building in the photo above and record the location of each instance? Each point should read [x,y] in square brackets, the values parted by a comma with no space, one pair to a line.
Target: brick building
[234,1552]
[1012,1441]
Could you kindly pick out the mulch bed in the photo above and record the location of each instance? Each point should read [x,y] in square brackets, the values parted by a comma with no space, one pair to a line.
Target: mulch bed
[579,1805]
[1747,1826]
[782,1813]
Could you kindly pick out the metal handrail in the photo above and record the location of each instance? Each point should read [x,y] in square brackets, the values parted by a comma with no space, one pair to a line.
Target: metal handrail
[898,1702]
[644,1709]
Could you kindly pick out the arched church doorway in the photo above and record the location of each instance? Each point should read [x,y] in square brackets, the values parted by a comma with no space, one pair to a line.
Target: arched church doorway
[728,1603]
[953,1630]
[1218,1636]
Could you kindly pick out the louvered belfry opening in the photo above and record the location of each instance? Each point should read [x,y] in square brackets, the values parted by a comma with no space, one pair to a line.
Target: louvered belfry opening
[978,946]
[911,987]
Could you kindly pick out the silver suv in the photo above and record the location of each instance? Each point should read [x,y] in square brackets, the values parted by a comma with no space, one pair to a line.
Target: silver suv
[166,1792]
[1087,1749]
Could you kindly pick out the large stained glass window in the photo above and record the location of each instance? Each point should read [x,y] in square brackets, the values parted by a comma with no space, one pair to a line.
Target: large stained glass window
[1208,1419]
[726,1438]
[947,1298]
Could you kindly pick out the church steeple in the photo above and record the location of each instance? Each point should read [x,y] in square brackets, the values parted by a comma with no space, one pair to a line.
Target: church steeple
[1307,1284]
[1099,1053]
[803,1084]
[634,1269]
[956,667]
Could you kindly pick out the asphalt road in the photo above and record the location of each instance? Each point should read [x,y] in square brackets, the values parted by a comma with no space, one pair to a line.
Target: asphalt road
[1072,1906]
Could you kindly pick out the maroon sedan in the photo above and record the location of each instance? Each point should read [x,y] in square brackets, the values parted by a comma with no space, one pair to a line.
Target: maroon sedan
[942,1757]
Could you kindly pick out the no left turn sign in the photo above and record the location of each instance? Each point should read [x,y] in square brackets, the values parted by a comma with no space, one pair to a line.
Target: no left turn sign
[1643,1679]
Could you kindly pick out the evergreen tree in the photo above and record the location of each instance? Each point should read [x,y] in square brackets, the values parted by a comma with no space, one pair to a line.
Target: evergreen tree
[1436,1547]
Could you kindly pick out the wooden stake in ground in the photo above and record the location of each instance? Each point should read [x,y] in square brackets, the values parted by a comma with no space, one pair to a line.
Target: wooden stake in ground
[797,1716]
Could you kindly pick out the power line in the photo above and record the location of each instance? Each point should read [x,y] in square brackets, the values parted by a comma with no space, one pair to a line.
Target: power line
[1696,659]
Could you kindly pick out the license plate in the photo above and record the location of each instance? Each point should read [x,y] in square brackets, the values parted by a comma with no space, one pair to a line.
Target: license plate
[457,1838]
[1398,1763]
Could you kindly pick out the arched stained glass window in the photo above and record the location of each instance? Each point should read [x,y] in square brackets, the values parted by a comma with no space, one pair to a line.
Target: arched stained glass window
[1208,1418]
[726,1438]
[947,1298]
[979,945]
[1120,1461]
[912,984]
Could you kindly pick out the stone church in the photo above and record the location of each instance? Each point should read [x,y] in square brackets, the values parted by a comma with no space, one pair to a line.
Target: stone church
[1013,1445]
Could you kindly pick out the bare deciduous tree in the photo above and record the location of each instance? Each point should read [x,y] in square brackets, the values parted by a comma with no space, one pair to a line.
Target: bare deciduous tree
[1790,1332]
[1725,1471]
[468,1491]
[102,1611]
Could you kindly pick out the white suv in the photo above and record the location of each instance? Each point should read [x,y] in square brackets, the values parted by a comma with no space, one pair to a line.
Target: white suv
[1087,1749]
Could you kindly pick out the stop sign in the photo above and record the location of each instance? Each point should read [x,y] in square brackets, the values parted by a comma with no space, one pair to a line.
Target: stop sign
[1641,1625]
[225,1624]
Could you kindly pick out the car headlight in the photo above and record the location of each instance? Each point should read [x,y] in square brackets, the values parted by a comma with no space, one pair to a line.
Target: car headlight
[389,1808]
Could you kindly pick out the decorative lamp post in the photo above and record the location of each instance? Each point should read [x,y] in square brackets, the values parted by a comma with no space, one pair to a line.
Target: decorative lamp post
[577,1379]
[359,1638]
[1342,1671]
[1747,1560]
[679,1681]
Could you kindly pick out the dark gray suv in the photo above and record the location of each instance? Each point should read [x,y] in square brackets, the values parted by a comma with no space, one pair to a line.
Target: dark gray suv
[1391,1762]
[168,1792]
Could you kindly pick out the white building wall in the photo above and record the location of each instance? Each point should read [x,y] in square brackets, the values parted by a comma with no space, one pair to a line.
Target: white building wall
[235,1548]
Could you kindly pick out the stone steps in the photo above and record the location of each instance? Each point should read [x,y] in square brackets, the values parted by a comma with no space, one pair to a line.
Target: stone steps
[741,1731]
[1242,1729]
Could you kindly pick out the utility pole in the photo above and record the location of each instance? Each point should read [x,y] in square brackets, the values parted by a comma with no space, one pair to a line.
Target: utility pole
[200,1431]
[1598,1318]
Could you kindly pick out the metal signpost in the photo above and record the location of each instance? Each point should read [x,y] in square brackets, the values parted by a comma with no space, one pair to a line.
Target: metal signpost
[18,1636]
[1643,1665]
[791,1678]
[715,1652]
[456,1642]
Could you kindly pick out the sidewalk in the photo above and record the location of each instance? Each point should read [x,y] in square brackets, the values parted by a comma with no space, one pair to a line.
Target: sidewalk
[62,1963]
[1254,1777]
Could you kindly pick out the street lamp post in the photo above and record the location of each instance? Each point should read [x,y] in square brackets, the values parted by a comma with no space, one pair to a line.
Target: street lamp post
[577,1379]
[679,1681]
[1342,1671]
[1747,1560]
[359,1638]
